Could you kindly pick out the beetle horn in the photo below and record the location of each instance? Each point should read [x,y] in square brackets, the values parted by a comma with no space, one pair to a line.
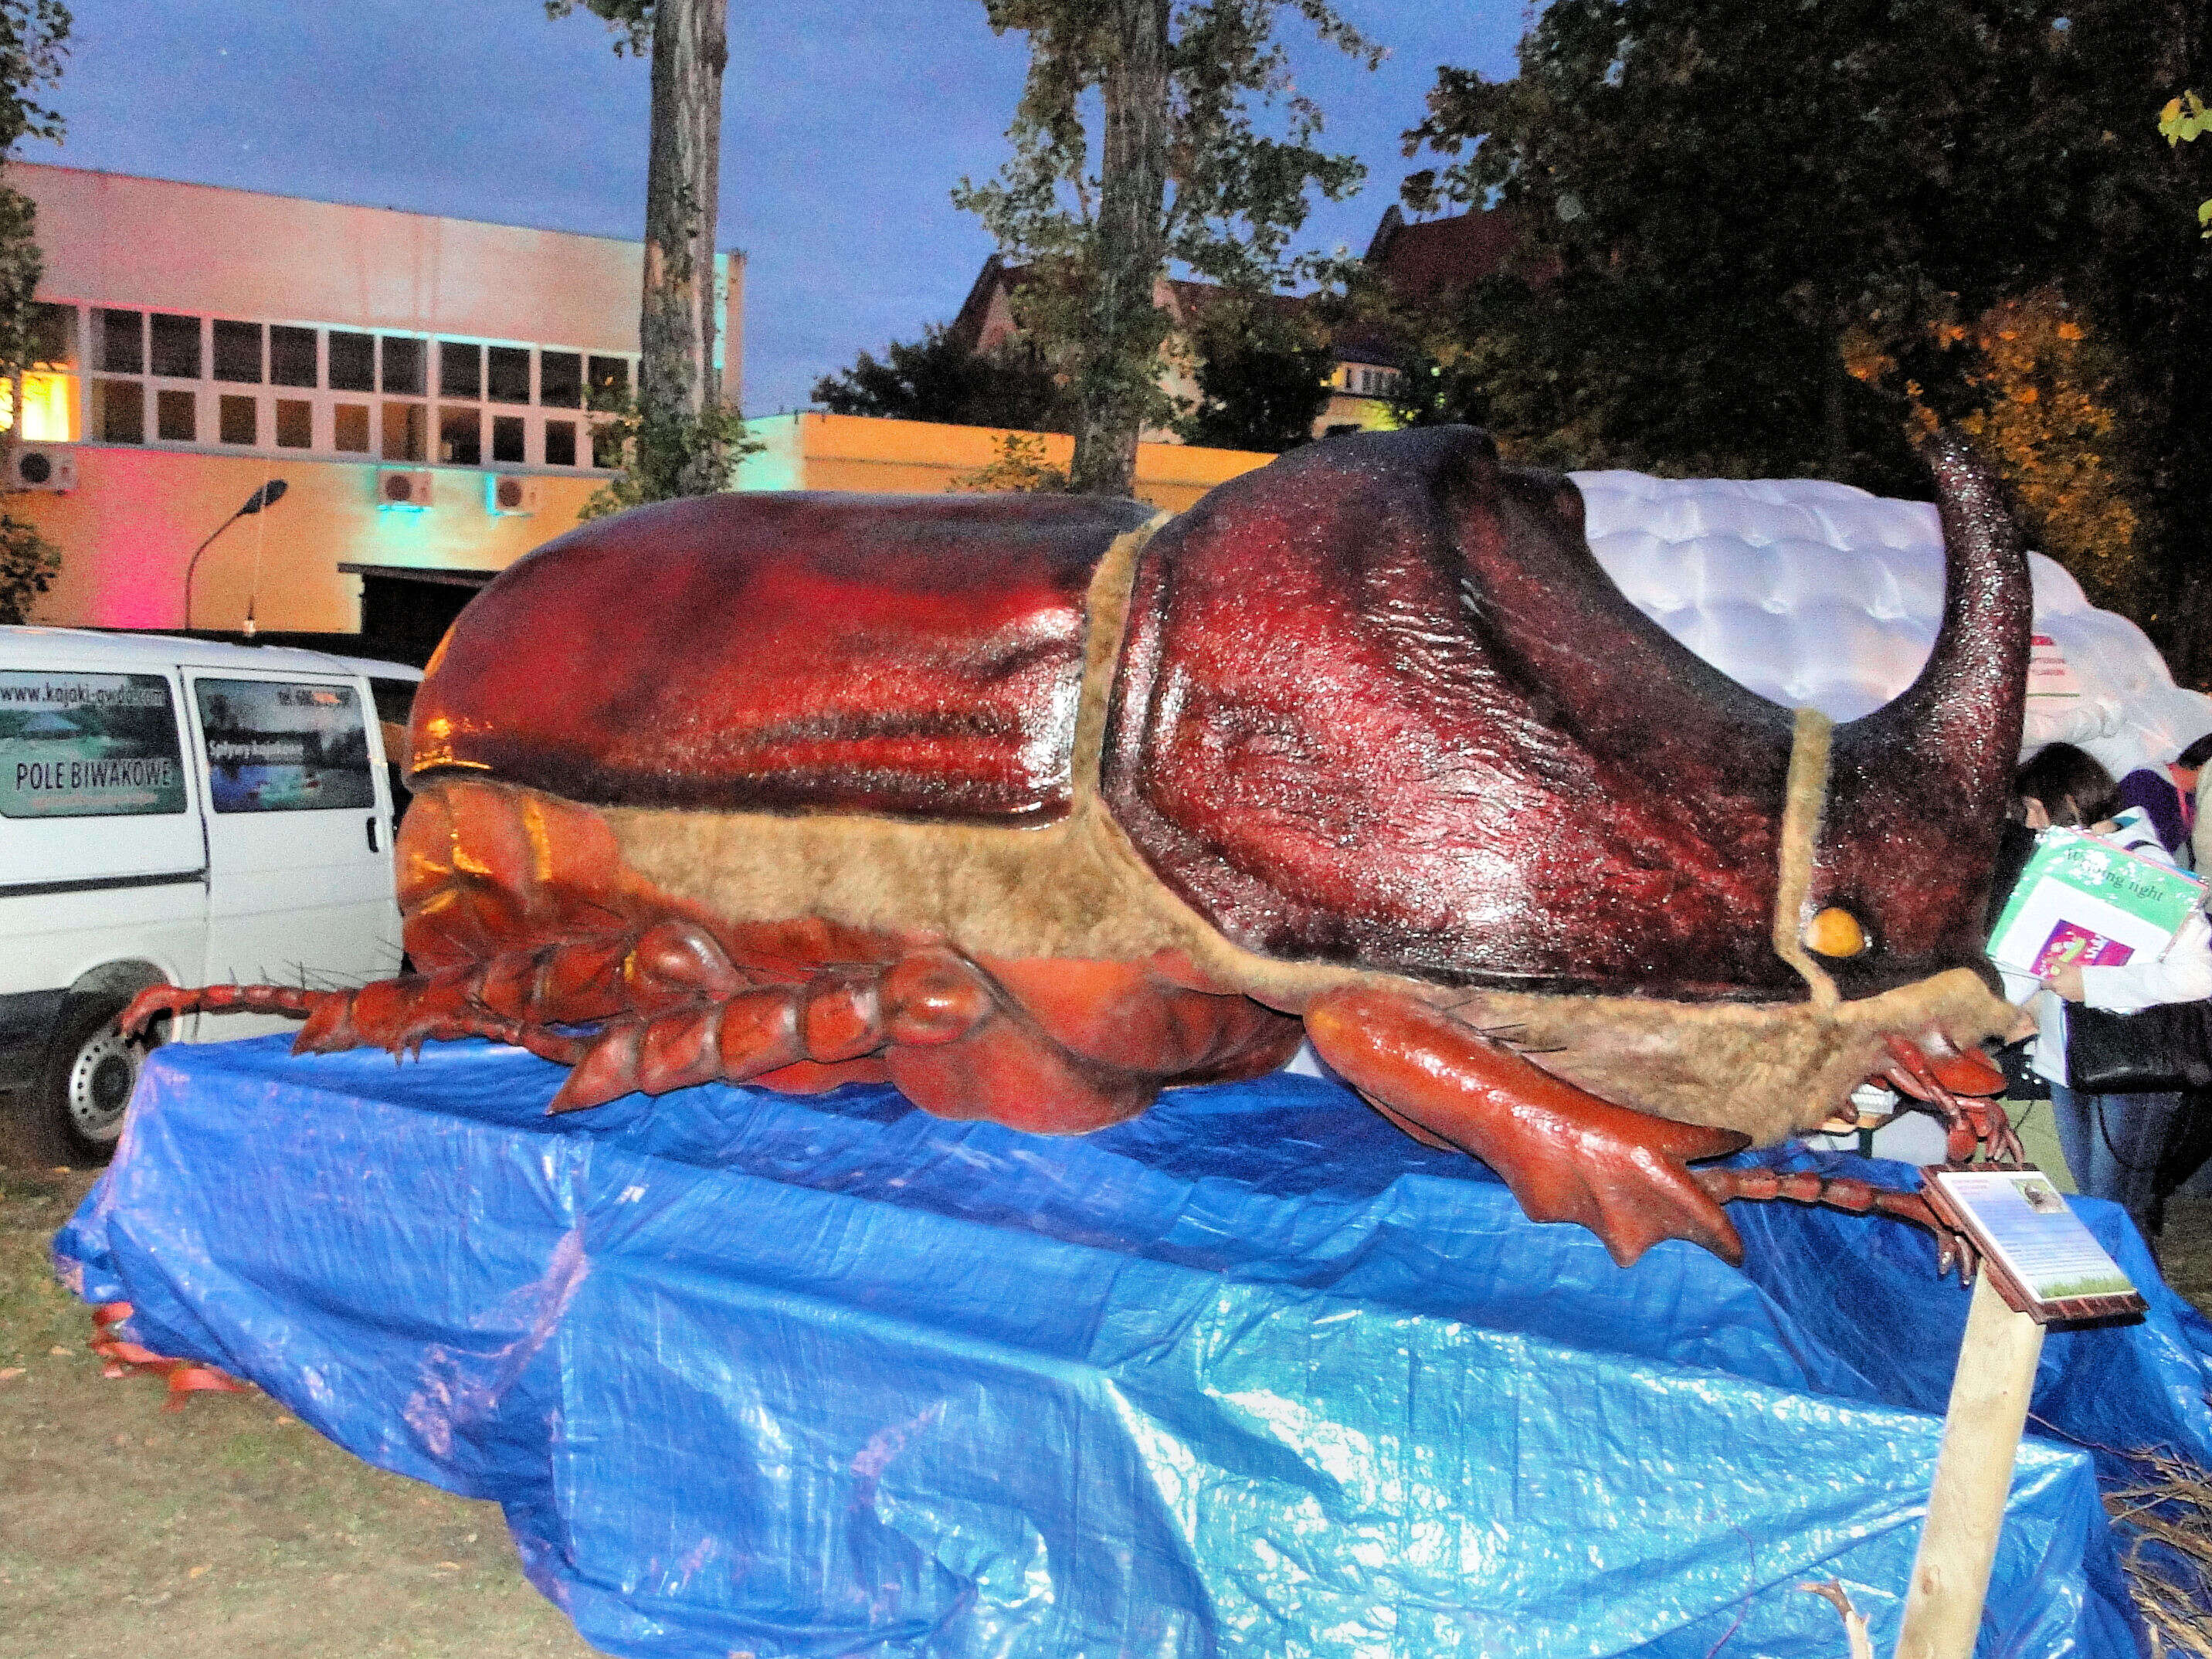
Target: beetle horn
[1953,734]
[1917,789]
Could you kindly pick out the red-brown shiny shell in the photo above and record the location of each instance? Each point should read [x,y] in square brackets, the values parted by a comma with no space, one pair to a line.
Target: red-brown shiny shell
[916,657]
[1375,706]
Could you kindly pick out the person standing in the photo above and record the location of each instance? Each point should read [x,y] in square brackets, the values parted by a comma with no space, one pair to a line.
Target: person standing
[2117,1146]
[2168,795]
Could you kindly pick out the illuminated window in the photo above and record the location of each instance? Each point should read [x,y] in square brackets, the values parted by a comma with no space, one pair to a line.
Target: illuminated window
[46,401]
[349,429]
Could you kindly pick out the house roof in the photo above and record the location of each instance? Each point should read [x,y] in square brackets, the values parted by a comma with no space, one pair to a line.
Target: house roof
[966,326]
[1415,261]
[1423,260]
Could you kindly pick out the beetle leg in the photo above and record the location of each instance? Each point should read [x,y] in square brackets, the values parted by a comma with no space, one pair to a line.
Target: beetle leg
[840,1015]
[1953,1248]
[1567,1155]
[1971,1124]
[155,1000]
[946,1033]
[730,1041]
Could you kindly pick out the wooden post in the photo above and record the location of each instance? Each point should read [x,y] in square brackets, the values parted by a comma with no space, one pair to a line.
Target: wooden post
[1973,1476]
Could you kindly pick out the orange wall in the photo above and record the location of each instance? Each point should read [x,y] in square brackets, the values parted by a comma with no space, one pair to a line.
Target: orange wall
[809,450]
[129,528]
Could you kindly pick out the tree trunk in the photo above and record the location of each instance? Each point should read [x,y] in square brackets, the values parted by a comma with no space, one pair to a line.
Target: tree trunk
[682,190]
[1122,357]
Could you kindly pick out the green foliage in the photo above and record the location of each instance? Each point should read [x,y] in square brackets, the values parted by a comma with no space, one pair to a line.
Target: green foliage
[1728,203]
[1262,374]
[676,437]
[669,455]
[1019,466]
[1237,198]
[937,377]
[2044,412]
[1719,190]
[28,565]
[1233,200]
[630,19]
[34,36]
[2183,121]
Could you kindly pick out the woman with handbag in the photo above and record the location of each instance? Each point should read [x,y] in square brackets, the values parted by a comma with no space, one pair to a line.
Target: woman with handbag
[2117,1084]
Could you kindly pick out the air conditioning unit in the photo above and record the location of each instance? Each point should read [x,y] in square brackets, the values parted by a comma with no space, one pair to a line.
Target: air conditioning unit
[42,466]
[407,491]
[509,495]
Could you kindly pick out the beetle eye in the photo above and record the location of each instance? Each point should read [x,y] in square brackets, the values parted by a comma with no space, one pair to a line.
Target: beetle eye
[1835,933]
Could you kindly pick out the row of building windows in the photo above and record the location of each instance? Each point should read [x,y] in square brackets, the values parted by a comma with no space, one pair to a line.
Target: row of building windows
[121,411]
[164,377]
[1368,382]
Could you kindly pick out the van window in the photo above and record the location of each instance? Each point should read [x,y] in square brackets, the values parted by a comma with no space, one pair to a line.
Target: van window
[87,746]
[275,746]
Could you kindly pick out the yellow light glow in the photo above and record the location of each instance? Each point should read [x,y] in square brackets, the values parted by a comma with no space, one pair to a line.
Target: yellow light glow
[47,399]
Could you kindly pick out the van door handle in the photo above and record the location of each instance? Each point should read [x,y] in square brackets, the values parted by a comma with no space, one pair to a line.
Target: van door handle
[373,847]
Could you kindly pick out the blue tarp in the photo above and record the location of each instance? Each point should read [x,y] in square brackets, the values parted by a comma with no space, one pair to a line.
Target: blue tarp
[1251,1376]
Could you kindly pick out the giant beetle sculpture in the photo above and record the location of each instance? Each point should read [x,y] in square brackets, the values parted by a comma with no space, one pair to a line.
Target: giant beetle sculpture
[1031,805]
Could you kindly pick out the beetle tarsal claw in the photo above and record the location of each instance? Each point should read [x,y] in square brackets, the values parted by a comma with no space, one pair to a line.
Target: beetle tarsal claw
[1567,1155]
[1855,1197]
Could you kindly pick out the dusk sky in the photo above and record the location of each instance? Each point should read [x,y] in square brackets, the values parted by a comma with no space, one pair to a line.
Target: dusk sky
[845,127]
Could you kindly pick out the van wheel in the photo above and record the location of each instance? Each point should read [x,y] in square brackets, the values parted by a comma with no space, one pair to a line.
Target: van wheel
[91,1069]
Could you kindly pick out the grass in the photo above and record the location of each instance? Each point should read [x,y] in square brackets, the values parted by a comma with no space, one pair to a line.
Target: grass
[228,1530]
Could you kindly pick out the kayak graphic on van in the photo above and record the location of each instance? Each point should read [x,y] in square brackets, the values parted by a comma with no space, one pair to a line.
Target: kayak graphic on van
[87,745]
[278,748]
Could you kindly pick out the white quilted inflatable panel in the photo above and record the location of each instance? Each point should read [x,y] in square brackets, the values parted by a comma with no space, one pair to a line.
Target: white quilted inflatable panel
[1820,593]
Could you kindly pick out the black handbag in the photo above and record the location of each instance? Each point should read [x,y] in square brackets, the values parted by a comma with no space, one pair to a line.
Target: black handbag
[2158,1050]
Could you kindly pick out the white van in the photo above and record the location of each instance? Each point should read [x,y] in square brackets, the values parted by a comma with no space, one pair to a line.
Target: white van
[176,811]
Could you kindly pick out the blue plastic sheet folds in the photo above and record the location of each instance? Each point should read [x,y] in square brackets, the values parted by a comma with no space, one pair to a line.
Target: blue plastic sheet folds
[1251,1376]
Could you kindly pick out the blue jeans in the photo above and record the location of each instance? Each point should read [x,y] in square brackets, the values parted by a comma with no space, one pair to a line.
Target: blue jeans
[2115,1145]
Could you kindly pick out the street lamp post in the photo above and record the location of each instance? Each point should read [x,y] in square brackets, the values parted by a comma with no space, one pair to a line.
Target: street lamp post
[268,496]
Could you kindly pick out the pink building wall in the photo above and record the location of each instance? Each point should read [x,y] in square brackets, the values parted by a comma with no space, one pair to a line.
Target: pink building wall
[137,510]
[113,239]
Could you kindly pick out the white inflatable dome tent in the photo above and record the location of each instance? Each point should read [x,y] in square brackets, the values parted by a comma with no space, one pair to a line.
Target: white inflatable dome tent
[1818,593]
